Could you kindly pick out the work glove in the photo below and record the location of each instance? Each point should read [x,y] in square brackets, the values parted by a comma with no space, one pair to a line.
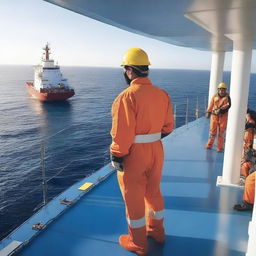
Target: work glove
[117,166]
[117,163]
[164,135]
[208,114]
[216,111]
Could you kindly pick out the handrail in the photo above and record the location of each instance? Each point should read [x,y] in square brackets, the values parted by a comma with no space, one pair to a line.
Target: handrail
[191,111]
[44,182]
[186,114]
[197,108]
[186,120]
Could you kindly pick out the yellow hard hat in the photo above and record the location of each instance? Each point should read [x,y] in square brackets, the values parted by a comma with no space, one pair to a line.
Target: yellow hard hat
[222,86]
[135,57]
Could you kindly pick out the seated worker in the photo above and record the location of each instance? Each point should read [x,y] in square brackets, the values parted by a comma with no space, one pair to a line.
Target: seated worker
[248,195]
[249,129]
[248,165]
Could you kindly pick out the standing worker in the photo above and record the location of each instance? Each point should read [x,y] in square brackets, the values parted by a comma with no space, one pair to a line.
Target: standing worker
[141,116]
[218,111]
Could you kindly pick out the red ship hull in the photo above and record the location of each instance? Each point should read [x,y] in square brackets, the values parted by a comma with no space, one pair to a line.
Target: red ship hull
[53,95]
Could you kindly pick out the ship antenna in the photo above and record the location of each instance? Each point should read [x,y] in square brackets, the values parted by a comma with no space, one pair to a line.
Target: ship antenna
[47,51]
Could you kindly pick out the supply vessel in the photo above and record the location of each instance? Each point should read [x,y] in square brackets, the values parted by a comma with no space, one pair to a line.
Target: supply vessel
[49,83]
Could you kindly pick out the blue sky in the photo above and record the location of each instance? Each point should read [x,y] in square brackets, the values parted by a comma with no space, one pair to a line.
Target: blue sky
[26,25]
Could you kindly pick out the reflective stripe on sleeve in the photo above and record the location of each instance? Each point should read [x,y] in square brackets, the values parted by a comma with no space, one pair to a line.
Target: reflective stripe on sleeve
[137,223]
[157,215]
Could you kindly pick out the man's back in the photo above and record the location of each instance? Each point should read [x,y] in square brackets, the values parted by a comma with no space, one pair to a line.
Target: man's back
[140,109]
[150,105]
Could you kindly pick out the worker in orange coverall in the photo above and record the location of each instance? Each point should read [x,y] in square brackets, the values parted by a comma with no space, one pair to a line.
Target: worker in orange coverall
[218,111]
[249,129]
[248,195]
[141,116]
[246,164]
[249,187]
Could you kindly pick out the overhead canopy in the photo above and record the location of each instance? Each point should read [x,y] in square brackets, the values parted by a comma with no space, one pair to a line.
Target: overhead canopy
[198,24]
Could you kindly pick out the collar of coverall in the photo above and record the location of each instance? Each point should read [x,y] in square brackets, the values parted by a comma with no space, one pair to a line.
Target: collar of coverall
[140,80]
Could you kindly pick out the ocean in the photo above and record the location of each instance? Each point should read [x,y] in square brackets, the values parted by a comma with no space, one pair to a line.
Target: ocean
[74,133]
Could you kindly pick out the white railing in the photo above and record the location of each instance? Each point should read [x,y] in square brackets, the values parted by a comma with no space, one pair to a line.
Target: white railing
[44,174]
[190,112]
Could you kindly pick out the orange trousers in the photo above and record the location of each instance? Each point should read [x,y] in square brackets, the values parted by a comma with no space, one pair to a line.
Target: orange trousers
[246,166]
[249,188]
[218,125]
[140,187]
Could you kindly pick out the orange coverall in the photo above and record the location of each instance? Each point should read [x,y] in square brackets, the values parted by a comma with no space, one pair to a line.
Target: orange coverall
[246,166]
[141,109]
[219,115]
[249,188]
[248,141]
[249,132]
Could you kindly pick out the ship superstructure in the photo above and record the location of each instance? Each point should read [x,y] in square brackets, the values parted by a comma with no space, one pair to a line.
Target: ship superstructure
[49,83]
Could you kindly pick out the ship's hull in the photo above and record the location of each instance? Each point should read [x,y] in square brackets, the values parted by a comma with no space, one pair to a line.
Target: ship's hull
[49,96]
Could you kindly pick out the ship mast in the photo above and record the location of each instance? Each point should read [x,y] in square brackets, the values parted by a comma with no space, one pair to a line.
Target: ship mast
[47,51]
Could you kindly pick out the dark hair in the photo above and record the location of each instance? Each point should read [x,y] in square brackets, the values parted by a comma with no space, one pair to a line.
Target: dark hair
[141,71]
[252,114]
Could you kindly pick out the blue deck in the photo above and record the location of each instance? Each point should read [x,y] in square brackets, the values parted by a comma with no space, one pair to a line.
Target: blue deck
[199,219]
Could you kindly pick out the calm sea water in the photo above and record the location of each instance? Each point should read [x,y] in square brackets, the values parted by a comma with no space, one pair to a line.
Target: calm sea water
[75,133]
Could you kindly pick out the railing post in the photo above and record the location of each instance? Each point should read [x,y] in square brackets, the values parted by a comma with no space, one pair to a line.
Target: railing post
[205,106]
[197,106]
[186,120]
[174,116]
[44,182]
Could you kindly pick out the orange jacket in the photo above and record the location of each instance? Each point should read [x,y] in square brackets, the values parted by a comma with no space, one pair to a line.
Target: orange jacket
[142,108]
[219,105]
[249,132]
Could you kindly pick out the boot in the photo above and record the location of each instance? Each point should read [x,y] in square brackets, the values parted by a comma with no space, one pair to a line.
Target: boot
[210,142]
[207,146]
[155,230]
[135,241]
[126,242]
[244,206]
[220,143]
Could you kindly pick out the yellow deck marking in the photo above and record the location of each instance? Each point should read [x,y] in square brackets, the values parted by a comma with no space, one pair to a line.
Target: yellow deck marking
[85,186]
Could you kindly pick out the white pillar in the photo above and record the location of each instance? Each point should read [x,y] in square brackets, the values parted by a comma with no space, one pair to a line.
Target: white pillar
[251,247]
[239,87]
[216,72]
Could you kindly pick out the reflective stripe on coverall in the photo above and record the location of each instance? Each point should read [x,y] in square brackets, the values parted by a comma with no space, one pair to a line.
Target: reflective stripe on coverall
[218,123]
[141,109]
[249,189]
